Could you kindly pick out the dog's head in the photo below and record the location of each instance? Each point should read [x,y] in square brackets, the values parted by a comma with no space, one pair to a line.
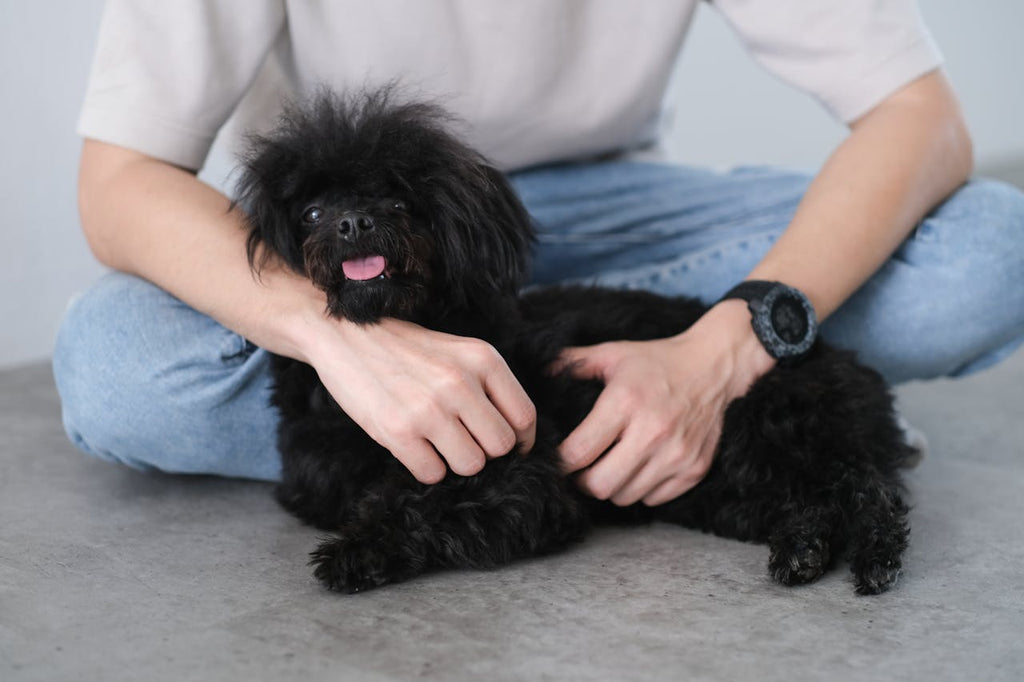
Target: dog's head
[383,209]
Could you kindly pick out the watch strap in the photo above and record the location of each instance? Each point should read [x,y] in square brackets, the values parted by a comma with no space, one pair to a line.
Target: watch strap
[760,296]
[750,290]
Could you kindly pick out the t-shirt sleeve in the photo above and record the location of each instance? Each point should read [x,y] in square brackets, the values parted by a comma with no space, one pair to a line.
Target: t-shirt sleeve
[849,54]
[167,75]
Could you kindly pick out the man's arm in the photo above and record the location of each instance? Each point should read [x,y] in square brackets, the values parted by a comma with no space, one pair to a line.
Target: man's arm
[662,409]
[901,159]
[421,394]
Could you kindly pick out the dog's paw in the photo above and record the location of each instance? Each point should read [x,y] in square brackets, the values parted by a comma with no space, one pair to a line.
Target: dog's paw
[876,578]
[352,565]
[876,555]
[797,560]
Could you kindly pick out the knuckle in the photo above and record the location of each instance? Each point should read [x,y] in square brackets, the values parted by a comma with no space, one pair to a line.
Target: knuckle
[402,431]
[571,461]
[655,500]
[524,417]
[467,463]
[607,354]
[419,418]
[417,414]
[575,455]
[622,500]
[701,468]
[425,468]
[504,444]
[679,457]
[674,489]
[630,397]
[482,355]
[660,431]
[431,474]
[601,490]
[684,486]
[450,379]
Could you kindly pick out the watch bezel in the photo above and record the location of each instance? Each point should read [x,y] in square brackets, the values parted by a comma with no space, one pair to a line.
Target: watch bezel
[761,309]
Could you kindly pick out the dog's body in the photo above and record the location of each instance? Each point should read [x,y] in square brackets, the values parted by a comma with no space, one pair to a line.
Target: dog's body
[393,217]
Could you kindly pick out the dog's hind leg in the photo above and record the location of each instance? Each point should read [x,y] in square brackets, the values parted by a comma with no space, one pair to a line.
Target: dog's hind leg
[518,506]
[878,531]
[803,535]
[803,542]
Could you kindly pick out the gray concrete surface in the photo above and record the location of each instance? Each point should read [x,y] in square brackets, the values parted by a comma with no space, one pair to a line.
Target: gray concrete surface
[107,574]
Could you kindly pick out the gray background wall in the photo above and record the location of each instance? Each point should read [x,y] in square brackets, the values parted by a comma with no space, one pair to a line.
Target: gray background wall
[728,112]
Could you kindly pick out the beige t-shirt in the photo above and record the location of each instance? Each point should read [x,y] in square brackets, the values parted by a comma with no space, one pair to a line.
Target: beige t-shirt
[533,81]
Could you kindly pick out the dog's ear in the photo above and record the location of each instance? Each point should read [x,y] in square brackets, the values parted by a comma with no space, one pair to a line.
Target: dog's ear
[513,231]
[484,231]
[270,180]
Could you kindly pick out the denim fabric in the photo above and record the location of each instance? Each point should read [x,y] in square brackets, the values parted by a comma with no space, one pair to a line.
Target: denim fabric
[949,301]
[147,381]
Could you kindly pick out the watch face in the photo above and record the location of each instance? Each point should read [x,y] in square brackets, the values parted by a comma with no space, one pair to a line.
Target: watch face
[789,319]
[782,317]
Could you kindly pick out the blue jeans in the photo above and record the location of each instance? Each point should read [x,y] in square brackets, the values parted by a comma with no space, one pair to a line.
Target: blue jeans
[147,381]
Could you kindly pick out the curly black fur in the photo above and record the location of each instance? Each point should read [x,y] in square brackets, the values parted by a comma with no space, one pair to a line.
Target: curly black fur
[808,460]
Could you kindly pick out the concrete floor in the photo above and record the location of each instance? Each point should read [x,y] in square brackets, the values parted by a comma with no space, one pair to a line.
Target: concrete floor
[107,574]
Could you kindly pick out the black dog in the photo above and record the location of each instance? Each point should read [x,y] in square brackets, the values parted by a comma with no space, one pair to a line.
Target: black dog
[390,215]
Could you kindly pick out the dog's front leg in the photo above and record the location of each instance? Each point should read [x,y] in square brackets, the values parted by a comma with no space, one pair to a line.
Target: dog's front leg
[518,506]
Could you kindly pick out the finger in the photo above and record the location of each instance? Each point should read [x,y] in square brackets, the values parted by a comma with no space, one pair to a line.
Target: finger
[669,490]
[514,405]
[681,483]
[422,461]
[488,427]
[642,483]
[455,444]
[595,434]
[686,479]
[583,362]
[614,470]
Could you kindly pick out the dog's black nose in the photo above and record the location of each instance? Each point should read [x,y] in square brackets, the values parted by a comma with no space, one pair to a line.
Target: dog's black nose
[352,223]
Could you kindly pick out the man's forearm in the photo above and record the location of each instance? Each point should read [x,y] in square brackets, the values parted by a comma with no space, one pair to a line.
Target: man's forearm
[901,159]
[150,219]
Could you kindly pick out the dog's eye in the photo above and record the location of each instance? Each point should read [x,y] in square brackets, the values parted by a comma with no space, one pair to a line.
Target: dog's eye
[399,205]
[312,215]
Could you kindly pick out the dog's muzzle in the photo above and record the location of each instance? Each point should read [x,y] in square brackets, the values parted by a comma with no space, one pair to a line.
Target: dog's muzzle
[354,224]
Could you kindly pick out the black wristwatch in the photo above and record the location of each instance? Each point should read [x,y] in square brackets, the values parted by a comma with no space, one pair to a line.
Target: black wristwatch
[783,318]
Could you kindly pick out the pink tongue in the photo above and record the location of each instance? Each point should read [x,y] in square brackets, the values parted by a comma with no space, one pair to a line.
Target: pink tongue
[364,268]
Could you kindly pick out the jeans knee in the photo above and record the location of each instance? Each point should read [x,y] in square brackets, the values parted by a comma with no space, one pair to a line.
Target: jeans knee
[951,300]
[89,363]
[1006,218]
[980,229]
[979,294]
[77,373]
[148,382]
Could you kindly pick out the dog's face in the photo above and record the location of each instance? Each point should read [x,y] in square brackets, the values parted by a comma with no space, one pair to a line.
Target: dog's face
[383,210]
[370,251]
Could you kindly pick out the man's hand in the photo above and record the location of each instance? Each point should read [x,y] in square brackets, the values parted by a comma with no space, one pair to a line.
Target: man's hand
[426,396]
[653,432]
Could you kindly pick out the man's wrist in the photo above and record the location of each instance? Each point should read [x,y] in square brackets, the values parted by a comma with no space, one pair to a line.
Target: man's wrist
[782,317]
[295,315]
[731,319]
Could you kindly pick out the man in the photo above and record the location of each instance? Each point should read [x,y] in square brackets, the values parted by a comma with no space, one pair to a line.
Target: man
[166,365]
